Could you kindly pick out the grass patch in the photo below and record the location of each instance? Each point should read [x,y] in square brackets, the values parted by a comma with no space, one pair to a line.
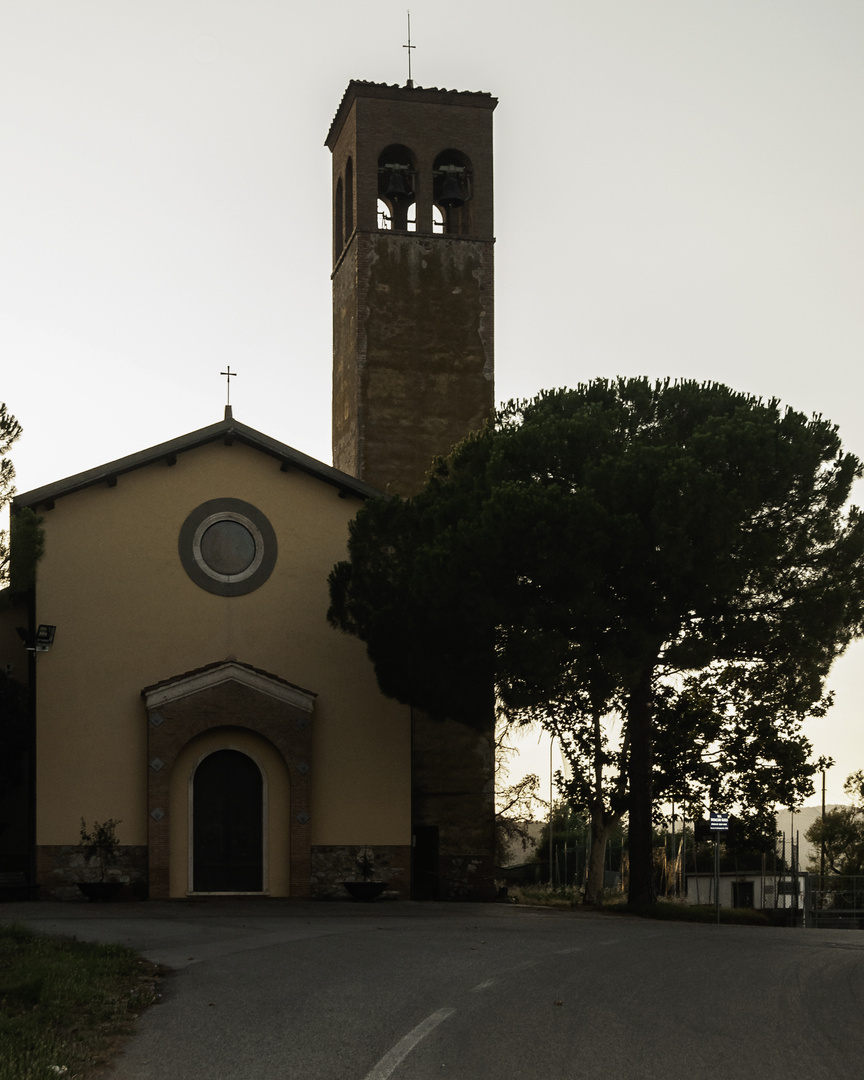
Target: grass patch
[65,1004]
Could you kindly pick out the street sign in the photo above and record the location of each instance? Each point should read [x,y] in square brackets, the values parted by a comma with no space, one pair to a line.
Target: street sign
[719,822]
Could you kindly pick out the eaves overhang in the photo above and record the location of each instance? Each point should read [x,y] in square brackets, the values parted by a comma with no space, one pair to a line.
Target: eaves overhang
[227,431]
[358,88]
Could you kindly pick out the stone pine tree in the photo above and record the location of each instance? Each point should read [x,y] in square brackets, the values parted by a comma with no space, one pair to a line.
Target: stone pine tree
[678,553]
[15,728]
[10,430]
[25,527]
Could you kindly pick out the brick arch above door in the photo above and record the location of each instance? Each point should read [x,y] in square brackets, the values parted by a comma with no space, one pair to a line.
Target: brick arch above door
[232,694]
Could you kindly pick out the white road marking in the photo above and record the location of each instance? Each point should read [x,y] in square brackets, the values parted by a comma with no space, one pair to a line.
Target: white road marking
[403,1048]
[483,986]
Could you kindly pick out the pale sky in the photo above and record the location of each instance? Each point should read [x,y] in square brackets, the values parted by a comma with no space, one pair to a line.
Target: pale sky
[678,193]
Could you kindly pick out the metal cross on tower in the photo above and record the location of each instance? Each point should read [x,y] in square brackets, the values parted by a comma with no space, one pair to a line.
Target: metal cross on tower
[409,47]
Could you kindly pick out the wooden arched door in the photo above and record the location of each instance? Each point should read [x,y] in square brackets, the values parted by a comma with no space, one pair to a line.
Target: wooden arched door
[227,824]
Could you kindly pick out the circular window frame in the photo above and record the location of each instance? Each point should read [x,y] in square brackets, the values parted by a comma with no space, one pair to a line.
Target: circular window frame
[238,519]
[259,528]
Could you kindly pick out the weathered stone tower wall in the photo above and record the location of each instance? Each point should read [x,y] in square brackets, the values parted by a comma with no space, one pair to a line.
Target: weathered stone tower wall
[412,302]
[413,375]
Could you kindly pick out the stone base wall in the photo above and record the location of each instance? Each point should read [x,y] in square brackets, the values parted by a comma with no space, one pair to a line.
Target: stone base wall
[462,877]
[333,864]
[60,866]
[453,793]
[467,877]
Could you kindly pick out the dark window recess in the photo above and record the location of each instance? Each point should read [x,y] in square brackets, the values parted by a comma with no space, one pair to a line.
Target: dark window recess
[425,869]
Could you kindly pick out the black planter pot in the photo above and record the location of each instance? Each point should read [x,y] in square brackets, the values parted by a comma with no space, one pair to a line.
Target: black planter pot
[100,891]
[365,890]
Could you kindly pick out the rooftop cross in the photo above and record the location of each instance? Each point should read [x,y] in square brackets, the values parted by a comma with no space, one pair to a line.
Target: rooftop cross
[229,376]
[409,47]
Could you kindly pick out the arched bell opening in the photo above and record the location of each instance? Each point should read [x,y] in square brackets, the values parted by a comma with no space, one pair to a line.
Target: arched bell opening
[338,227]
[349,199]
[452,191]
[397,182]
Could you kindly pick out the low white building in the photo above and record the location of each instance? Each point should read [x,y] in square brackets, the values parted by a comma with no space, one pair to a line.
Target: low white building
[764,892]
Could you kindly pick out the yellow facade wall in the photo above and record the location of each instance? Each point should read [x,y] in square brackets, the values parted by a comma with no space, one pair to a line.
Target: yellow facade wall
[128,616]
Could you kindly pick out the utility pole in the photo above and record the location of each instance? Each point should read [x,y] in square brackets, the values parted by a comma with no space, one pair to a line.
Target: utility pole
[822,846]
[551,742]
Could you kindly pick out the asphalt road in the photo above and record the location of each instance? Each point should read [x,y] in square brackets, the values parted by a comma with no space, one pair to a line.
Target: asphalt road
[301,991]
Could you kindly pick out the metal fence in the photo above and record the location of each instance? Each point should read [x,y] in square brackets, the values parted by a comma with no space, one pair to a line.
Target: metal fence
[836,903]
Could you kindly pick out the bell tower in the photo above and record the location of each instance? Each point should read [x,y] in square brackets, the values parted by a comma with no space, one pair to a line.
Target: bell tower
[412,278]
[412,376]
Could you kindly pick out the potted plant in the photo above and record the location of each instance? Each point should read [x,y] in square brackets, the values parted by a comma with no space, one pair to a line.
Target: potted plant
[101,844]
[365,887]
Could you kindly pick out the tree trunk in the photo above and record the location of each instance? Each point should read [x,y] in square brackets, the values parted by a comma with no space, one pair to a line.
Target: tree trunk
[640,831]
[597,859]
[599,826]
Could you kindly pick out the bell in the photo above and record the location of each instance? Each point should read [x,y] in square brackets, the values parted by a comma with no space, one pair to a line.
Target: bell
[396,189]
[451,193]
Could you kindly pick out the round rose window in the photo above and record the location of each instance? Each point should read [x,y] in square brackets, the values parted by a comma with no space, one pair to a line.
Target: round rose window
[227,547]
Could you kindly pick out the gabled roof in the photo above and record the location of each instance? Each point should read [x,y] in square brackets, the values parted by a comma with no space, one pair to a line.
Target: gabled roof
[228,431]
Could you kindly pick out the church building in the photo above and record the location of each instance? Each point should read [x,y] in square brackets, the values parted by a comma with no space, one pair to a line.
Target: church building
[183,677]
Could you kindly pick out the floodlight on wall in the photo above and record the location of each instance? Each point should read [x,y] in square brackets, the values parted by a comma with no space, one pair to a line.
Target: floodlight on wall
[41,641]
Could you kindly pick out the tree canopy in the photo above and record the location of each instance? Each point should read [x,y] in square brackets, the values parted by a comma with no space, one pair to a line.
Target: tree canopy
[10,430]
[678,554]
[841,830]
[25,526]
